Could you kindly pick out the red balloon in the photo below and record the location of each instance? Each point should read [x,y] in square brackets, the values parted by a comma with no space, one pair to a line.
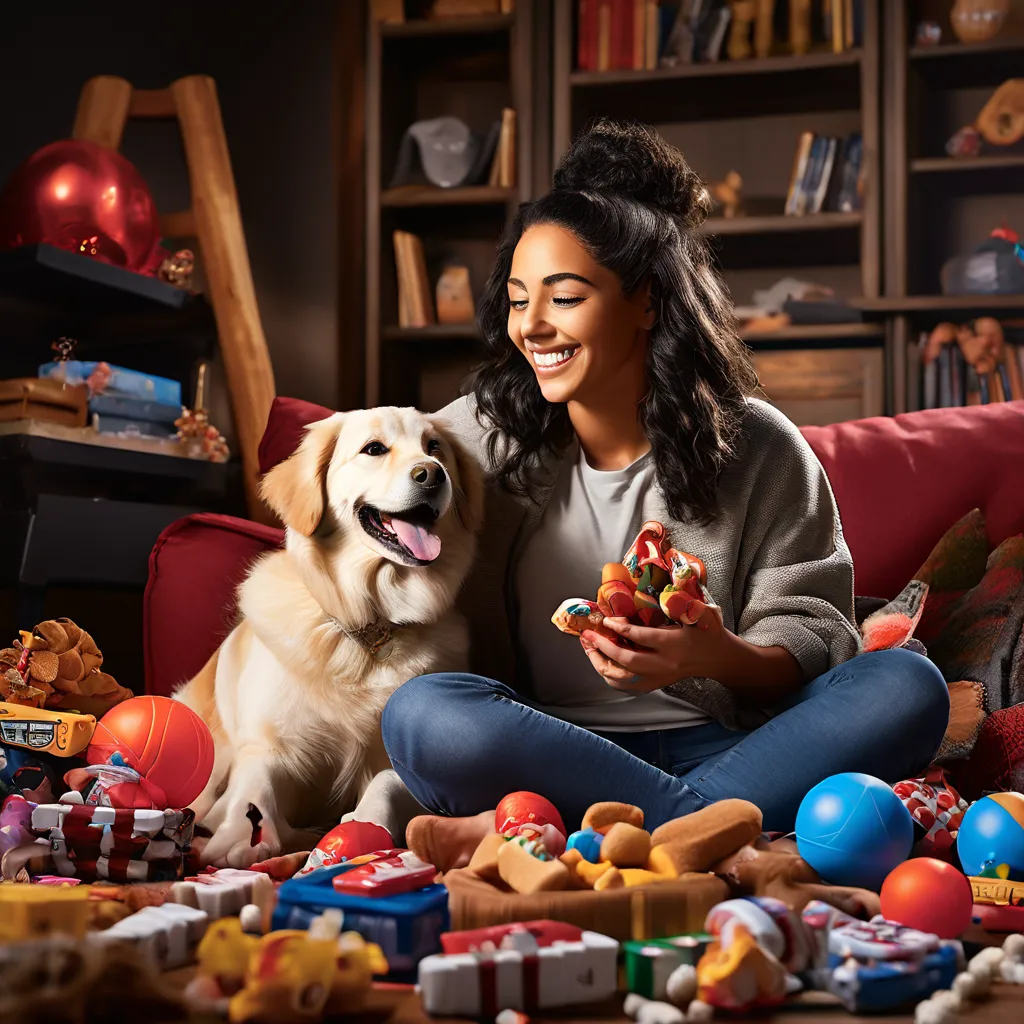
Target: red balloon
[525,808]
[84,198]
[929,895]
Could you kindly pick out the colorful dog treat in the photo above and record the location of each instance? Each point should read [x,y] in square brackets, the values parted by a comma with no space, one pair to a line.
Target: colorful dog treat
[601,816]
[525,972]
[626,846]
[528,873]
[650,587]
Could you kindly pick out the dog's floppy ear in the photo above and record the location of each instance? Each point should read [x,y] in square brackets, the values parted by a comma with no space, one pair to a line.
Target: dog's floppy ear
[295,488]
[469,495]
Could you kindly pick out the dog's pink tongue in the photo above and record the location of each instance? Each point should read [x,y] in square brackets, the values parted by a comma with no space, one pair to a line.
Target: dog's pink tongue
[423,544]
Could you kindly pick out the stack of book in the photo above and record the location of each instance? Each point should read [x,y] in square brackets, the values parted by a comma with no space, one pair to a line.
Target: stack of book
[503,165]
[121,401]
[641,35]
[828,175]
[949,380]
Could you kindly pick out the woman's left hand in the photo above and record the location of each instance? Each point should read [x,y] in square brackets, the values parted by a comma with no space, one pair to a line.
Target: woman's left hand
[663,654]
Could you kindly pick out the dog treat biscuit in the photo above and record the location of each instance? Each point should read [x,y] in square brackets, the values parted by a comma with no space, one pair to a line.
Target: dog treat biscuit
[626,846]
[484,862]
[601,816]
[527,874]
[698,841]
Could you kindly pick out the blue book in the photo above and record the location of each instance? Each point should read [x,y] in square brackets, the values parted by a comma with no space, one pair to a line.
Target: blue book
[104,424]
[134,408]
[121,381]
[849,189]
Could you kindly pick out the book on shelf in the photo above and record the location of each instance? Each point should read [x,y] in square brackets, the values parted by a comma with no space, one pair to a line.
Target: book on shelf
[415,304]
[623,35]
[503,165]
[826,176]
[949,381]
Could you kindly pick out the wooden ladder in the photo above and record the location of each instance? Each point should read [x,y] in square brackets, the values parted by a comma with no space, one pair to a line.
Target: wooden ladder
[214,221]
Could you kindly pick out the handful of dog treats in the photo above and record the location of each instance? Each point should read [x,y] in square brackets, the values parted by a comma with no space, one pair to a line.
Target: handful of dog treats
[651,586]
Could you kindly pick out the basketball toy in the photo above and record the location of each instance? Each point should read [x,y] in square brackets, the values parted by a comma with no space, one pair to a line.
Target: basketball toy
[163,740]
[929,895]
[853,830]
[991,834]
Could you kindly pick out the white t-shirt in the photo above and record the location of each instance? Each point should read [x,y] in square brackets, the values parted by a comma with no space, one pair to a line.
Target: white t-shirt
[592,518]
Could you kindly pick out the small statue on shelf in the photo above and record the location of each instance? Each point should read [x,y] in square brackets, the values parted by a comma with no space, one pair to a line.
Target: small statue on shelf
[728,194]
[202,440]
[177,269]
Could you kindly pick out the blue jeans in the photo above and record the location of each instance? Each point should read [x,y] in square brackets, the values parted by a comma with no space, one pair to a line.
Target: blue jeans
[461,742]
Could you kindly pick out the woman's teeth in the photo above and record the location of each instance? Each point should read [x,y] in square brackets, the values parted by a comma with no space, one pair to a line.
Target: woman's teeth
[552,358]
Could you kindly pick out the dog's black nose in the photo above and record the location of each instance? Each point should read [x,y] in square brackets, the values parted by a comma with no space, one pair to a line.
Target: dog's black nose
[428,474]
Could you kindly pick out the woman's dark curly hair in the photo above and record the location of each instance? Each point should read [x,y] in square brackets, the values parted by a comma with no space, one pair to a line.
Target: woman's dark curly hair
[635,205]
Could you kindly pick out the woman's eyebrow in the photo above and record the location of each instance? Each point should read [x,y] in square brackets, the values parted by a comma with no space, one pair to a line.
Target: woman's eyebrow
[553,279]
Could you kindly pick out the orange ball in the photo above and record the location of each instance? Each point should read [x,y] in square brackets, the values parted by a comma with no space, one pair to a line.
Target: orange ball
[163,740]
[929,895]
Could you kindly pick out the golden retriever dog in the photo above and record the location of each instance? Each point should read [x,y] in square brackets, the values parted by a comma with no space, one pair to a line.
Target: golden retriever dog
[381,511]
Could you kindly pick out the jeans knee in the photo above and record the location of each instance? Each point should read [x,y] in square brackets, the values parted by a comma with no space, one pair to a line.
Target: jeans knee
[426,709]
[921,691]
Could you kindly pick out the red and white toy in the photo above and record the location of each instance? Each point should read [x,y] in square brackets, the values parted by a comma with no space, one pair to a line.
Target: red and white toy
[529,969]
[526,814]
[937,807]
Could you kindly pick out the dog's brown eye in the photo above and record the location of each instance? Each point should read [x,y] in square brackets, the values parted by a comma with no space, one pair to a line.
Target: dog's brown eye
[434,447]
[374,448]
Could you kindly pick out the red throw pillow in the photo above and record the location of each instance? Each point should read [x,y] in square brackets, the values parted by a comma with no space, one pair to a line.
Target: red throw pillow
[286,427]
[973,615]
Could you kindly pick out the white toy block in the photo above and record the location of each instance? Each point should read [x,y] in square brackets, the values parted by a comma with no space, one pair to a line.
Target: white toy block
[167,934]
[225,892]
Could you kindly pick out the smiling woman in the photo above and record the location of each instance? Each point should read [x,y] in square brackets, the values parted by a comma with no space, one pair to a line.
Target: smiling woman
[616,392]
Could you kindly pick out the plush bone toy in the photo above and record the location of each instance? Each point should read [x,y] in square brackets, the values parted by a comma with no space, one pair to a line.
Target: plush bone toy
[650,587]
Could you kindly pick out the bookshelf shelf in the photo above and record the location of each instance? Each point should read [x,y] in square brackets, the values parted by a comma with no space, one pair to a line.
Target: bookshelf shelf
[781,224]
[815,333]
[722,68]
[432,195]
[955,51]
[966,165]
[464,26]
[434,332]
[942,304]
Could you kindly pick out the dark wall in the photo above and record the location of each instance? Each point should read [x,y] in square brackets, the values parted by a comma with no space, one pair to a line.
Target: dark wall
[276,78]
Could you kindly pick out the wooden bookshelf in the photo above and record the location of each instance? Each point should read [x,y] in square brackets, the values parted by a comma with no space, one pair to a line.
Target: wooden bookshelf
[470,68]
[747,115]
[936,206]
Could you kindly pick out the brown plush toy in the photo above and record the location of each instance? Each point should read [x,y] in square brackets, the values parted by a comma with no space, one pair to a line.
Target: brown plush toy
[62,662]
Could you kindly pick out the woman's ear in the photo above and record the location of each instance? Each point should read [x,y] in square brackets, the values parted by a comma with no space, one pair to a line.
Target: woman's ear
[652,306]
[295,489]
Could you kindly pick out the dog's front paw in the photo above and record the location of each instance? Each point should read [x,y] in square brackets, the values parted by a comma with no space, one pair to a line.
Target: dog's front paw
[232,845]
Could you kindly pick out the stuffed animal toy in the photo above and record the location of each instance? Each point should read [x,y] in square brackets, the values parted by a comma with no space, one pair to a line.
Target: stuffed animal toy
[651,586]
[60,661]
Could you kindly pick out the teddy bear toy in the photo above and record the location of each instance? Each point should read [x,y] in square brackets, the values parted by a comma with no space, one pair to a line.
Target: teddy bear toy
[651,586]
[57,666]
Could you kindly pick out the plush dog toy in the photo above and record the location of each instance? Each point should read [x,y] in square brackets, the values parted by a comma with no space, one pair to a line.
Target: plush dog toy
[60,662]
[651,586]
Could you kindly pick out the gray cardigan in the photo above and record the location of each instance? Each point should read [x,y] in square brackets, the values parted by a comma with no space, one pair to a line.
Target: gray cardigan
[777,563]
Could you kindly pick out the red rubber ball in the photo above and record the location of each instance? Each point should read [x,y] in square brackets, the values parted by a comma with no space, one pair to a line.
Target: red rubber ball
[929,895]
[161,739]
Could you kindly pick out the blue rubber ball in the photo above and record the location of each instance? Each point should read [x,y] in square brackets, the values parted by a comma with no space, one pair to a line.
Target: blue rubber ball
[853,830]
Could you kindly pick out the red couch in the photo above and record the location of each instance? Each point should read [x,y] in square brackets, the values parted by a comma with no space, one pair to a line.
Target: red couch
[900,483]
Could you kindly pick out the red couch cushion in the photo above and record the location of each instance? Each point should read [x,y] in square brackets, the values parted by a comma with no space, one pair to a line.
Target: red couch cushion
[285,429]
[901,482]
[189,604]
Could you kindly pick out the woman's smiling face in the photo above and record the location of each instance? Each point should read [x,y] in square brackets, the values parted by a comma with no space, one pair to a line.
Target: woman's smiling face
[569,318]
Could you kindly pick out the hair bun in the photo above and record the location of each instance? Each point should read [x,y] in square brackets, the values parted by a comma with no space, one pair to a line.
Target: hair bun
[631,158]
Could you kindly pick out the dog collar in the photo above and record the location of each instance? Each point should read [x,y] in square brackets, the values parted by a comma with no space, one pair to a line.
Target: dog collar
[376,638]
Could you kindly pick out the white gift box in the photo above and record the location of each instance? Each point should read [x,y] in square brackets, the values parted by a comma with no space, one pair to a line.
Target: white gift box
[520,975]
